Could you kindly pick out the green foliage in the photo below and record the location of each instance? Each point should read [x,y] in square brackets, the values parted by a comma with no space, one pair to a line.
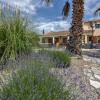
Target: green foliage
[34,82]
[15,35]
[60,57]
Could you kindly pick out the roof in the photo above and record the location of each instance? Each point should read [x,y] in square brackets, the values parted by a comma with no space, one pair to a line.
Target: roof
[61,33]
[92,20]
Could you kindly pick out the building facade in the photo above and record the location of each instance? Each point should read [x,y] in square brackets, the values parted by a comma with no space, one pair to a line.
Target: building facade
[91,32]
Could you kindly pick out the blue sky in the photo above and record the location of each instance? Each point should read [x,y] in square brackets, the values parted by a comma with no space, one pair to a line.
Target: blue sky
[50,18]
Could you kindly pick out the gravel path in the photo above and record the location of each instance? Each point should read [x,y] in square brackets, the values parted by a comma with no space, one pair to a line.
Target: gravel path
[93,72]
[76,81]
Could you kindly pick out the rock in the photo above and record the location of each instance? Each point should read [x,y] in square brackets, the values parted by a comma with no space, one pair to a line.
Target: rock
[97,76]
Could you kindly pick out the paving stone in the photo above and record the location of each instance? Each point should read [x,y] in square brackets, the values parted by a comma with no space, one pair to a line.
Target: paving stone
[96,84]
[96,71]
[97,76]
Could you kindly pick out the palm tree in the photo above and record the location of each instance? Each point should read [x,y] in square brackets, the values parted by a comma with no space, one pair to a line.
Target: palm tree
[74,43]
[75,38]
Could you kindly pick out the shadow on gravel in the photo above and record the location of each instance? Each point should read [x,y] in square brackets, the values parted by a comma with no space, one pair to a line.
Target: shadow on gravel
[92,53]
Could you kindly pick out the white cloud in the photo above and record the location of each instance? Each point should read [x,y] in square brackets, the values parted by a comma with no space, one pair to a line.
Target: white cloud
[30,7]
[54,26]
[26,6]
[91,6]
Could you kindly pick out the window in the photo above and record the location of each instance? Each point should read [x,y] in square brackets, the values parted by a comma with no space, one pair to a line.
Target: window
[97,26]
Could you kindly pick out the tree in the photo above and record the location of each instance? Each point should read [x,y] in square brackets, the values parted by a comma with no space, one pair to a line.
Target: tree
[92,39]
[97,11]
[75,37]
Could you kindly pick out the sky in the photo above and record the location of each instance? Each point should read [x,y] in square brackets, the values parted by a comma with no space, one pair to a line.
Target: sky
[49,18]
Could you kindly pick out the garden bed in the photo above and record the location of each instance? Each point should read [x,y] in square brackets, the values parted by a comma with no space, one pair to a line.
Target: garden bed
[29,78]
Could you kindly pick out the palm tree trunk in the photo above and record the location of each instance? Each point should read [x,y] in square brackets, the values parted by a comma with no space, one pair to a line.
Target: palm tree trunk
[76,30]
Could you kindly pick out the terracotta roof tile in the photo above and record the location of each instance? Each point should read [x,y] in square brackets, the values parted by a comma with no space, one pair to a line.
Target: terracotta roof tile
[92,20]
[63,33]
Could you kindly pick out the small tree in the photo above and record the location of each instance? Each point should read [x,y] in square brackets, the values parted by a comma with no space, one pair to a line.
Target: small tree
[97,11]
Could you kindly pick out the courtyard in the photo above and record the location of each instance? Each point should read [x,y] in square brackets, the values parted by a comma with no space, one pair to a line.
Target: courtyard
[49,55]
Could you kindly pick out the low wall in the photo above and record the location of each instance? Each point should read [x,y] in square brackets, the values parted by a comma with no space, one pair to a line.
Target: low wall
[87,46]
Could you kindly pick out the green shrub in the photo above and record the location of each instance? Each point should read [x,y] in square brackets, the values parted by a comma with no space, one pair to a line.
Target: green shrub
[34,83]
[15,35]
[61,58]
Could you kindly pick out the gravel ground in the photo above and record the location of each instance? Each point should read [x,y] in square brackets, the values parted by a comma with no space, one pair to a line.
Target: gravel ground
[77,82]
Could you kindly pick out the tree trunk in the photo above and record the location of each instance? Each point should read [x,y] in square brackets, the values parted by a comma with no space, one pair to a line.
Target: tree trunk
[75,38]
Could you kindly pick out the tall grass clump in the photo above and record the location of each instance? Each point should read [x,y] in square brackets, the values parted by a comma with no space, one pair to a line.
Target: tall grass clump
[60,55]
[15,34]
[61,58]
[34,82]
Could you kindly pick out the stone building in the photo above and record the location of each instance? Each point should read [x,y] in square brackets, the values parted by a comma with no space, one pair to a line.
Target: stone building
[91,31]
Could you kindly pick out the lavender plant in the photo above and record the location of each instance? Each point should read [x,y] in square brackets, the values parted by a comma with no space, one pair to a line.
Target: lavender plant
[61,58]
[33,82]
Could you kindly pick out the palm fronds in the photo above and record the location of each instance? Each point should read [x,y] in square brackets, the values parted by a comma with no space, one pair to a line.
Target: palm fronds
[66,7]
[47,1]
[65,10]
